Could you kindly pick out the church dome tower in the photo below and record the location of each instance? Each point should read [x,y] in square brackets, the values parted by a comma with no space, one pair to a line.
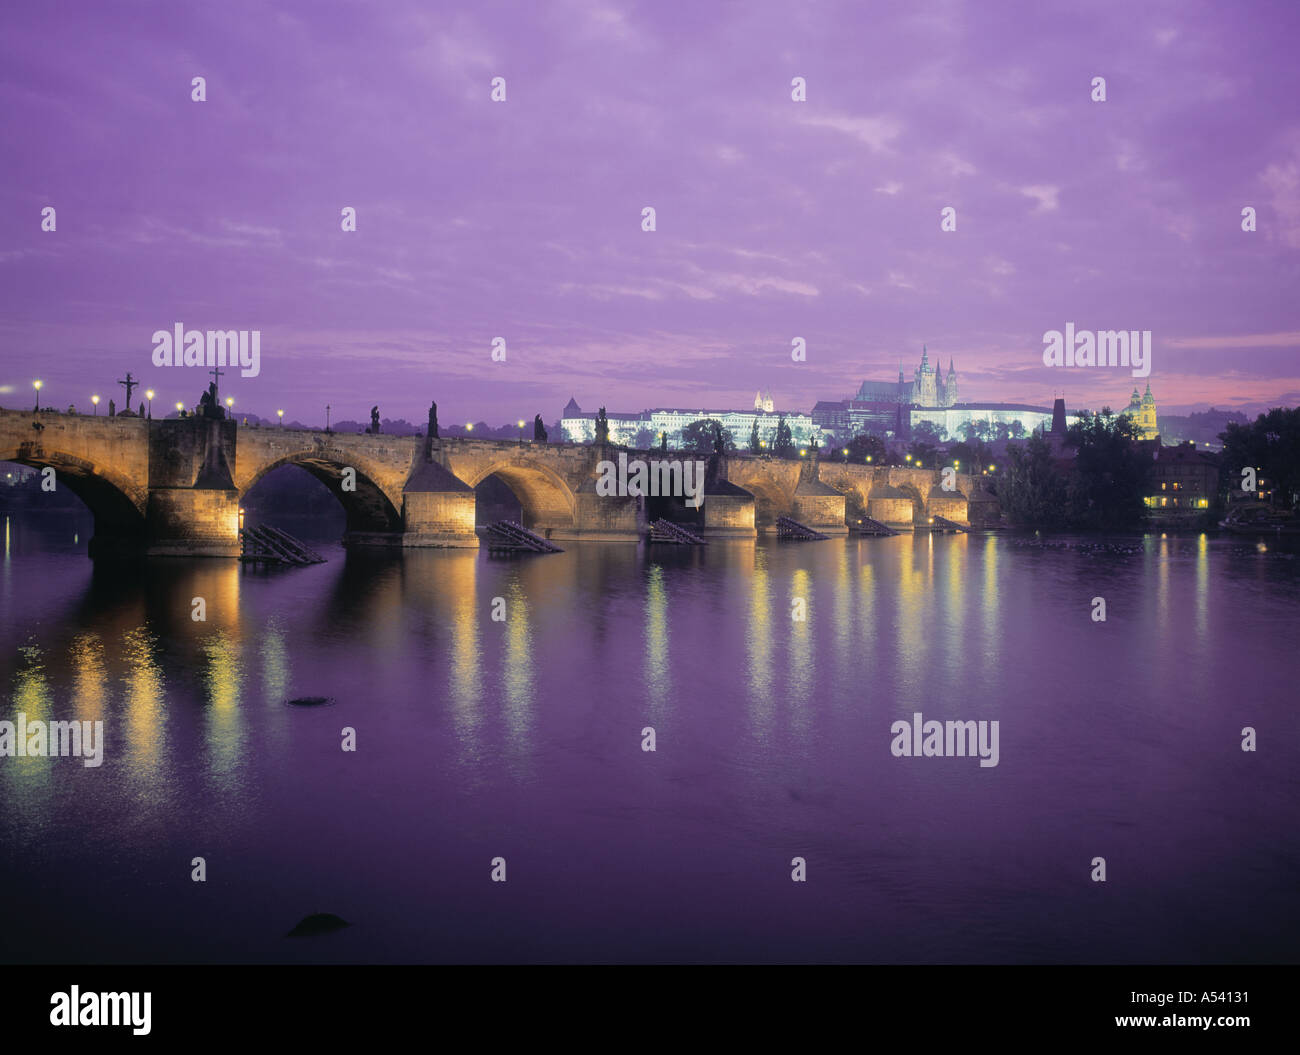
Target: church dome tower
[1142,410]
[1147,416]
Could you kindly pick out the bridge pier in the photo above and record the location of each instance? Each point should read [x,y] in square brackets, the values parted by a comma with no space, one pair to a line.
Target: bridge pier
[600,518]
[437,508]
[192,522]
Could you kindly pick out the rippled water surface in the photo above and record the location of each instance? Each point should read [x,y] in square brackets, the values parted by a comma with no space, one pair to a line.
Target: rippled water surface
[521,739]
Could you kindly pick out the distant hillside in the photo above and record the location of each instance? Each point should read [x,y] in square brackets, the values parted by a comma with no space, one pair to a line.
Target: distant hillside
[1203,427]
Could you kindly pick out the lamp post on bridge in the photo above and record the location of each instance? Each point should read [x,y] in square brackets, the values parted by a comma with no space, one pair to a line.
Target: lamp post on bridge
[148,394]
[521,432]
[95,402]
[327,417]
[37,385]
[280,414]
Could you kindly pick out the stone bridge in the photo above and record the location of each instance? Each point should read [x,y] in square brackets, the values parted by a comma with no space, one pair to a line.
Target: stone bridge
[176,486]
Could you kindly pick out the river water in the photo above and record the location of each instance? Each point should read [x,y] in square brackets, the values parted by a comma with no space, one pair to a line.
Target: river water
[522,739]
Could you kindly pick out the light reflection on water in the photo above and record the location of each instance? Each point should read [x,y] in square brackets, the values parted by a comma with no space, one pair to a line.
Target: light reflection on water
[523,737]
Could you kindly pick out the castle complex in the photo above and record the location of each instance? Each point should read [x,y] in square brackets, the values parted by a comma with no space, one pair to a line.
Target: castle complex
[886,408]
[928,387]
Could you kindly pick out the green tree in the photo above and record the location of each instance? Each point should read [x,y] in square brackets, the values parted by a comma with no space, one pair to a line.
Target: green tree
[973,457]
[644,439]
[1269,444]
[698,435]
[923,453]
[1109,474]
[783,441]
[864,446]
[928,432]
[1032,491]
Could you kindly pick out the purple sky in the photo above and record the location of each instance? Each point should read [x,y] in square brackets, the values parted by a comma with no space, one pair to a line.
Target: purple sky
[776,219]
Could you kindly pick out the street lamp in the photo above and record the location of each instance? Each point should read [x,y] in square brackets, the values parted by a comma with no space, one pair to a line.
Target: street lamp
[179,408]
[469,426]
[95,401]
[868,457]
[521,432]
[149,396]
[280,414]
[37,385]
[327,417]
[230,401]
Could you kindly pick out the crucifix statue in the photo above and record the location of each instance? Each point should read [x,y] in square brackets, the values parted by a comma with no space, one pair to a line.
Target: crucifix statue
[130,383]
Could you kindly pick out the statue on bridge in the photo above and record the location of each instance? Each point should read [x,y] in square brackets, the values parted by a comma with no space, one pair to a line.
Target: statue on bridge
[433,421]
[539,430]
[209,405]
[112,409]
[374,421]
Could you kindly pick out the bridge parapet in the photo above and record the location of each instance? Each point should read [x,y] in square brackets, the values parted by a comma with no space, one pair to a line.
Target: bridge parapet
[175,485]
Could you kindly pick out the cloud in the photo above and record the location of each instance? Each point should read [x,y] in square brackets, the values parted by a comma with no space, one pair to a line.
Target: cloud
[956,166]
[1250,340]
[878,133]
[1044,194]
[752,285]
[1282,180]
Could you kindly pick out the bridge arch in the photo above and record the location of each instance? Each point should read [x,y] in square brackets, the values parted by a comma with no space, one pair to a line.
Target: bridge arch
[118,505]
[771,500]
[546,498]
[918,500]
[369,508]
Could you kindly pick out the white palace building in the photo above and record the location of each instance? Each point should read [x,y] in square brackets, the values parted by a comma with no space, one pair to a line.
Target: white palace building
[886,408]
[646,428]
